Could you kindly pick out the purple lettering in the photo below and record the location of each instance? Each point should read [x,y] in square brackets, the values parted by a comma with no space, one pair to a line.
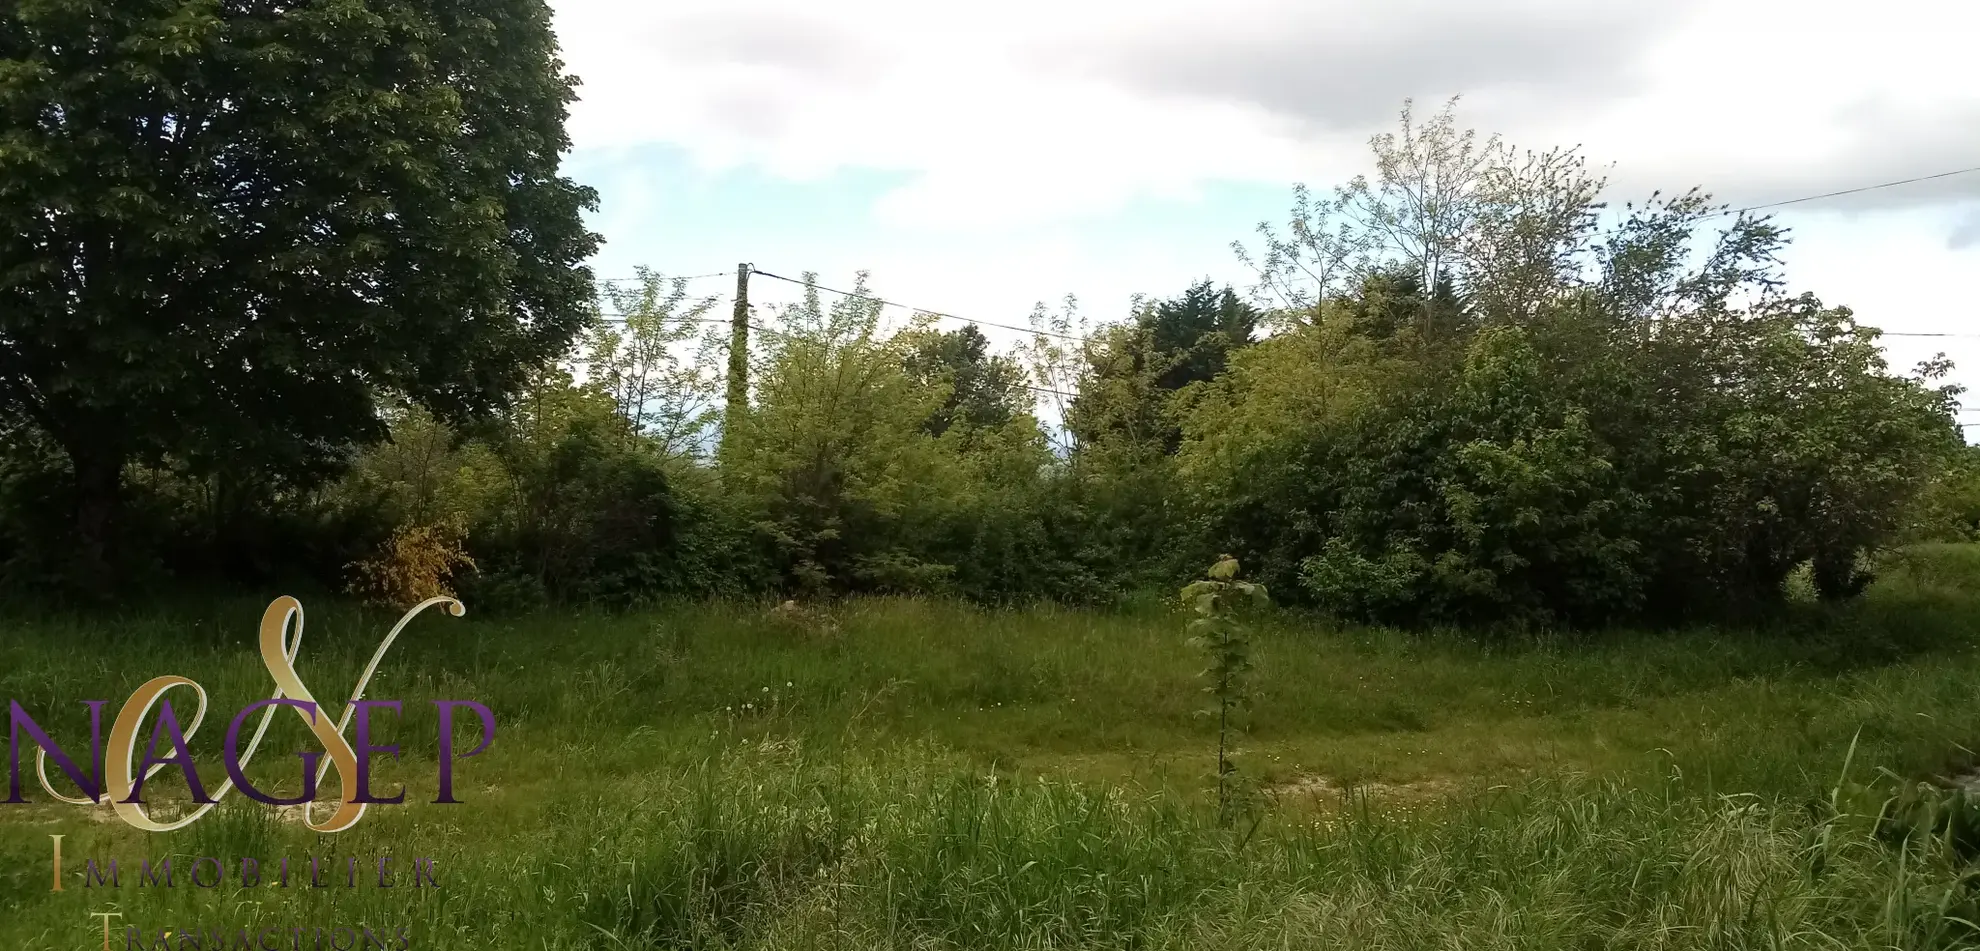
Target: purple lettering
[365,748]
[167,728]
[233,757]
[18,722]
[447,742]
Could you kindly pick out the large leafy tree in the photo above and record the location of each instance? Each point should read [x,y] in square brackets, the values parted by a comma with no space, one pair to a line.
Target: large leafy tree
[834,455]
[1491,405]
[986,389]
[1196,333]
[658,358]
[227,225]
[1134,370]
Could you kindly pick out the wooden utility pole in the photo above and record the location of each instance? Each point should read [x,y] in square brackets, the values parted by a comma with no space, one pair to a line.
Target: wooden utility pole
[737,400]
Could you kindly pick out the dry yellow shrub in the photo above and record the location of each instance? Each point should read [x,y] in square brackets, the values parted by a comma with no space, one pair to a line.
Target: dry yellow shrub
[416,563]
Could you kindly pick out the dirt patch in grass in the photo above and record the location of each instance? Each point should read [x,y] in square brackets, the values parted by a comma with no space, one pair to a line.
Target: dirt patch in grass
[1323,790]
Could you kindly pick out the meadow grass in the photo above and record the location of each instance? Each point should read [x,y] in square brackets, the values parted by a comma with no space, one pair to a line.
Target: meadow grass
[929,775]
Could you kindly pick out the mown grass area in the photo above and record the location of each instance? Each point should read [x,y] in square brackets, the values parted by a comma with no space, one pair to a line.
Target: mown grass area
[929,775]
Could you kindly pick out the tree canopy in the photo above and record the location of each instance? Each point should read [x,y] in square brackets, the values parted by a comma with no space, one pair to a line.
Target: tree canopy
[1464,390]
[227,227]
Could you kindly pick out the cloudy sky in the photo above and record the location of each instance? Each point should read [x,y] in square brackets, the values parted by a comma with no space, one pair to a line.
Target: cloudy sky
[980,157]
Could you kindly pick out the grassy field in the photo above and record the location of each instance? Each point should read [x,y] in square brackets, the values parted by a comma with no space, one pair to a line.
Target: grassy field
[927,775]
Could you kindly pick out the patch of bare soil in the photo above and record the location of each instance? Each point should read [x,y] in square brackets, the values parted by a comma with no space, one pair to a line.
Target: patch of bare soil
[1325,790]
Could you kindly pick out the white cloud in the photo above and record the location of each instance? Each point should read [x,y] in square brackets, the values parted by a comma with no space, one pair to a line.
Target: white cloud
[1966,234]
[1010,123]
[1034,111]
[989,135]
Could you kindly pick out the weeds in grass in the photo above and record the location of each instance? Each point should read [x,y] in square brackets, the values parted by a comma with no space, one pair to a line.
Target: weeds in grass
[1217,633]
[944,777]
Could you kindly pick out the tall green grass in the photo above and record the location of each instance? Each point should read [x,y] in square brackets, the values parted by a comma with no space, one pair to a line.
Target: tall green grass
[786,848]
[935,776]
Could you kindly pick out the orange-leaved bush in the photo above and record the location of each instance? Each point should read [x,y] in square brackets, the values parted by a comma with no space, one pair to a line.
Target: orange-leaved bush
[418,562]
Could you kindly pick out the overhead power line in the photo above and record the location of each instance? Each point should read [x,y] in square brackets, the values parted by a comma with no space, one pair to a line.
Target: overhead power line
[1063,336]
[665,278]
[1071,396]
[618,318]
[1853,191]
[622,318]
[918,310]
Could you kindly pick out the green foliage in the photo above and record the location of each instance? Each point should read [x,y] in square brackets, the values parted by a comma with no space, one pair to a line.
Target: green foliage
[941,775]
[640,356]
[1949,509]
[1121,403]
[986,391]
[1134,383]
[1195,334]
[1388,305]
[33,486]
[563,502]
[835,461]
[1134,372]
[903,463]
[1572,470]
[1217,632]
[424,473]
[1579,425]
[225,227]
[1482,401]
[588,511]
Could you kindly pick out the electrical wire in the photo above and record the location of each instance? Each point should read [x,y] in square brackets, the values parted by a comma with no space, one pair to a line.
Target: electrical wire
[1041,389]
[617,317]
[911,310]
[1853,191]
[665,279]
[612,317]
[1051,333]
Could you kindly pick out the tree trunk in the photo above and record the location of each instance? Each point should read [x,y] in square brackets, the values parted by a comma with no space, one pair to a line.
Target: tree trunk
[99,497]
[1836,575]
